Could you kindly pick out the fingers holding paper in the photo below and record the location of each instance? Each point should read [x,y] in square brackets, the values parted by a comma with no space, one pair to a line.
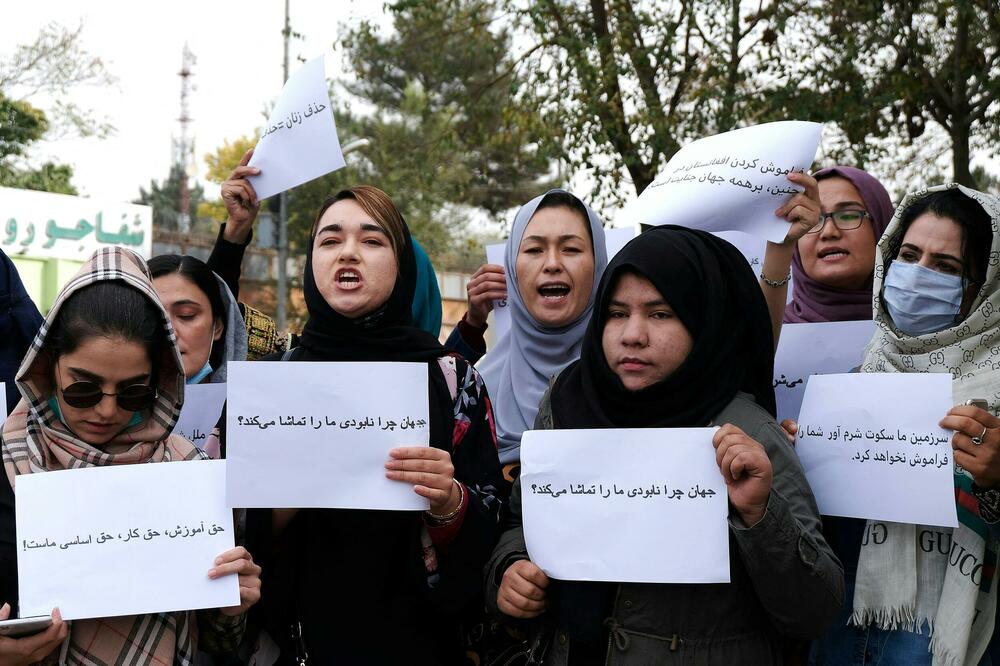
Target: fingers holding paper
[32,649]
[240,199]
[488,284]
[747,470]
[431,472]
[239,561]
[522,590]
[803,209]
[976,443]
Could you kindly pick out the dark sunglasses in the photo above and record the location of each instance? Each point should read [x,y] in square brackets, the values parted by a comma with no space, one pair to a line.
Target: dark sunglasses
[134,398]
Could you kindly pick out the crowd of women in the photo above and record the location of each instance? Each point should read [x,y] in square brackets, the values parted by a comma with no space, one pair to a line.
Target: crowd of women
[674,331]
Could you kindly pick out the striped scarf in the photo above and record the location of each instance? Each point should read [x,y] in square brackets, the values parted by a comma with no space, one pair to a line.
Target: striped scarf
[35,440]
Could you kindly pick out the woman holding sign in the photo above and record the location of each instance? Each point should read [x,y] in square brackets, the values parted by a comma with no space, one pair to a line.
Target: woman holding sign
[103,385]
[554,258]
[828,254]
[384,587]
[680,338]
[918,594]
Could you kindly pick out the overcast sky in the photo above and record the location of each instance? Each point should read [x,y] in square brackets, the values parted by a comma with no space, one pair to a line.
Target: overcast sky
[239,56]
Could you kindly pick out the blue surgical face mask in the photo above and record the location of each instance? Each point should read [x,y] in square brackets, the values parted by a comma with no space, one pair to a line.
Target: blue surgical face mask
[200,375]
[921,300]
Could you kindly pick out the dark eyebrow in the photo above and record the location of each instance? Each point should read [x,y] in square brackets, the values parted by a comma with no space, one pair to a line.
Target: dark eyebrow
[935,255]
[365,226]
[564,237]
[841,205]
[97,379]
[647,304]
[185,301]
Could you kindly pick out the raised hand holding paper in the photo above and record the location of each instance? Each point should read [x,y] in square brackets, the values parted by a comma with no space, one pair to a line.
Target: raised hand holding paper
[323,440]
[814,349]
[300,140]
[200,414]
[872,448]
[607,505]
[123,540]
[730,181]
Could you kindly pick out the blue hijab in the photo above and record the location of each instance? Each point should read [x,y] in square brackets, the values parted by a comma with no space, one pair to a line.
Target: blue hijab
[19,322]
[427,297]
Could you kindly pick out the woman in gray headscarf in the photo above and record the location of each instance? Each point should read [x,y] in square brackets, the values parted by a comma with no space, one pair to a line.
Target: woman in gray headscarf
[554,259]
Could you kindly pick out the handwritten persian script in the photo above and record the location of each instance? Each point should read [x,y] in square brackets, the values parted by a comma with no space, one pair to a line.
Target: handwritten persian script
[592,499]
[730,181]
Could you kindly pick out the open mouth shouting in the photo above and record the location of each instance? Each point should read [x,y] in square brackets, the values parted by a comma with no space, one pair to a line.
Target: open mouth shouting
[554,292]
[348,279]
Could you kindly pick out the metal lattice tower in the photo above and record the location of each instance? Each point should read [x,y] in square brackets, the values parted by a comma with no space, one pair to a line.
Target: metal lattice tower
[183,145]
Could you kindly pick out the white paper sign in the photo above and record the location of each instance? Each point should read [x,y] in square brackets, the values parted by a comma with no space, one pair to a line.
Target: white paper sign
[323,438]
[610,505]
[730,181]
[614,239]
[871,446]
[815,349]
[3,401]
[300,140]
[123,539]
[200,414]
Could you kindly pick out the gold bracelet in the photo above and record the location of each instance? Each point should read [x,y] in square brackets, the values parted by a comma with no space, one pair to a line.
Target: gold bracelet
[775,283]
[447,518]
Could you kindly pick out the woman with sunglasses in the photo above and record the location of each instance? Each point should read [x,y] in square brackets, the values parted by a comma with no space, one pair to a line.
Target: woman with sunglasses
[829,255]
[103,384]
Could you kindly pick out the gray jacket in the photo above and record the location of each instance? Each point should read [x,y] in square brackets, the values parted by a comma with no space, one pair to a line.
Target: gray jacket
[786,584]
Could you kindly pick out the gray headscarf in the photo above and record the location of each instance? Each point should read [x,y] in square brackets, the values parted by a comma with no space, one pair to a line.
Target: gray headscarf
[518,369]
[235,337]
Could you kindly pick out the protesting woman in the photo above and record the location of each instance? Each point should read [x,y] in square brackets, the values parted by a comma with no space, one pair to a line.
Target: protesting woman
[103,385]
[680,338]
[383,587]
[19,322]
[554,257]
[937,309]
[829,252]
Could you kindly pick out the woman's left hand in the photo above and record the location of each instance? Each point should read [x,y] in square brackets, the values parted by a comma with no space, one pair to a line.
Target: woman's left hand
[747,470]
[982,460]
[430,471]
[239,561]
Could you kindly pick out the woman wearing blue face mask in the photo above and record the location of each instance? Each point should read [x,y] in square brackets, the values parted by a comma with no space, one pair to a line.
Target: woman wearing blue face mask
[937,308]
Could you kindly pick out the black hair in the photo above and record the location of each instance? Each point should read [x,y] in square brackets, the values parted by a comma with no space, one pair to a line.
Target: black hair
[198,272]
[110,309]
[195,270]
[567,200]
[977,230]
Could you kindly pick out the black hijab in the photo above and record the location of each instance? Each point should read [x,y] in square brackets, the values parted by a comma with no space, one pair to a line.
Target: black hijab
[388,334]
[712,290]
[19,322]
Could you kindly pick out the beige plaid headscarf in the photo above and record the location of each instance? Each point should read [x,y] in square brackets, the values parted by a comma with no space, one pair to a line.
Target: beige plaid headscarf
[35,440]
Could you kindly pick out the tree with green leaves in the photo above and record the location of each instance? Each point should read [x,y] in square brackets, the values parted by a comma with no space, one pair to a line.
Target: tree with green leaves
[630,81]
[36,82]
[886,72]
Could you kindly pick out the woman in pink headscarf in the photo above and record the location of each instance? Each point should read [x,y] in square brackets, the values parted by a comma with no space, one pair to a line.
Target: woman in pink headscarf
[830,261]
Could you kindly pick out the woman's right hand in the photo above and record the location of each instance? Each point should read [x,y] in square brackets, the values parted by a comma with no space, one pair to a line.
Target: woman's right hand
[241,200]
[31,649]
[522,590]
[488,284]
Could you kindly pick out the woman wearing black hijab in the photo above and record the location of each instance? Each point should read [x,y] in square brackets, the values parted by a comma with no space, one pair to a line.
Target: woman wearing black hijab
[383,587]
[680,337]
